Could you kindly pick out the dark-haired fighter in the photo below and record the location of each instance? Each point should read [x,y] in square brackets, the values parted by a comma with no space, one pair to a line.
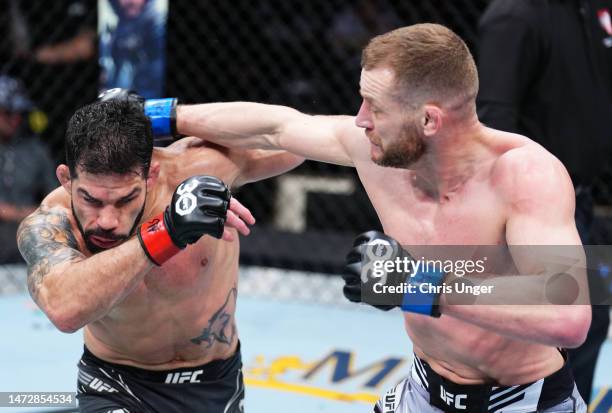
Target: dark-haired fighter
[437,176]
[157,308]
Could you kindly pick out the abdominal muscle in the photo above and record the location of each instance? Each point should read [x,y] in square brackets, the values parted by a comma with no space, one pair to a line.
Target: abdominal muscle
[467,354]
[181,315]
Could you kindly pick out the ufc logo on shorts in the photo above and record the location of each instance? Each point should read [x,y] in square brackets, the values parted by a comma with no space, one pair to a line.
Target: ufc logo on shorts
[453,399]
[184,377]
[390,402]
[100,386]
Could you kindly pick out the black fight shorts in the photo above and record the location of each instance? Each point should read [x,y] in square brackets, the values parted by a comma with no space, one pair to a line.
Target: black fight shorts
[215,387]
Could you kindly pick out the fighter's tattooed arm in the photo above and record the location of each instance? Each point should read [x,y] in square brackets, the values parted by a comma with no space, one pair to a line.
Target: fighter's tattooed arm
[45,239]
[221,326]
[72,289]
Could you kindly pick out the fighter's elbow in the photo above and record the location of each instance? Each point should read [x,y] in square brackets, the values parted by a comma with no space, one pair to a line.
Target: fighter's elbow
[573,325]
[65,317]
[65,325]
[64,320]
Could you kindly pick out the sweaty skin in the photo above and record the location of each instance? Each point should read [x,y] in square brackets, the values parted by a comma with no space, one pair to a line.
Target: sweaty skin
[475,186]
[459,350]
[182,313]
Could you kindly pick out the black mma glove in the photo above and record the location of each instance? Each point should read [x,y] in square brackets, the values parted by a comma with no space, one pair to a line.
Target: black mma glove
[198,207]
[364,246]
[379,259]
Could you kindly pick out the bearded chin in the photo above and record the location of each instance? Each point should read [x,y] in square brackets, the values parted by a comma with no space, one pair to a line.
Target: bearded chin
[93,247]
[405,153]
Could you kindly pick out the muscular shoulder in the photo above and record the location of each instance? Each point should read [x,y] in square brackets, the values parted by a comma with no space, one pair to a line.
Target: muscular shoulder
[530,178]
[58,198]
[46,239]
[193,156]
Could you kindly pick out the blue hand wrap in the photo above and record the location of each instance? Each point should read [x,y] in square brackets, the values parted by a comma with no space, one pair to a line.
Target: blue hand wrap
[423,302]
[161,112]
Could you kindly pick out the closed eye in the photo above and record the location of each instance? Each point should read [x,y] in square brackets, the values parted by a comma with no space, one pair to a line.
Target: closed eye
[125,201]
[92,201]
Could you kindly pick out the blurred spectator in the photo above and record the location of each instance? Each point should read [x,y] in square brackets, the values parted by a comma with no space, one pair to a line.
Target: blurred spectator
[132,54]
[350,30]
[52,47]
[357,23]
[26,169]
[546,73]
[71,41]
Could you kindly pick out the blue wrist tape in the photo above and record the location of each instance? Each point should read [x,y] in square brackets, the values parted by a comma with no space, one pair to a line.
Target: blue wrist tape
[160,112]
[424,298]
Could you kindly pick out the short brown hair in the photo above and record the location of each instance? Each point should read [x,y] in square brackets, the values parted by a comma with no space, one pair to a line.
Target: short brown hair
[428,59]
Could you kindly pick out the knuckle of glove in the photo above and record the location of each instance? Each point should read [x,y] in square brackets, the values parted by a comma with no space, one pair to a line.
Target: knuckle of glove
[362,238]
[352,273]
[211,180]
[212,205]
[355,255]
[351,294]
[371,235]
[214,186]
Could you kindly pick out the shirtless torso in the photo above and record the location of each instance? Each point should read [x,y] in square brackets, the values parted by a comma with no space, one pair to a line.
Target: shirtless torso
[182,313]
[460,351]
[493,205]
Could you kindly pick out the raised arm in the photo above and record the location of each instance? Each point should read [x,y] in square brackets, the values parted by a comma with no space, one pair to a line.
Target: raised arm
[259,126]
[247,125]
[262,164]
[71,289]
[74,290]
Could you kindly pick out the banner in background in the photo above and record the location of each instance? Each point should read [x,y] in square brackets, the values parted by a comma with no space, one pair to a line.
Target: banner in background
[132,45]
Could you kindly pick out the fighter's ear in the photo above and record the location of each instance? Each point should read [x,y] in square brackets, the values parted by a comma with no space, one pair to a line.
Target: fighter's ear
[431,121]
[63,175]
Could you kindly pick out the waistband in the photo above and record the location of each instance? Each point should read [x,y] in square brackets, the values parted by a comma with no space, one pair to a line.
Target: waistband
[211,371]
[460,398]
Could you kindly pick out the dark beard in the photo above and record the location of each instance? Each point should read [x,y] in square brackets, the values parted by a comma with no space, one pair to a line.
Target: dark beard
[105,234]
[404,153]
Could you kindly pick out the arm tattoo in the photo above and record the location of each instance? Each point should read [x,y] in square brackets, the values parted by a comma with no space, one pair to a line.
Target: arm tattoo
[221,326]
[45,239]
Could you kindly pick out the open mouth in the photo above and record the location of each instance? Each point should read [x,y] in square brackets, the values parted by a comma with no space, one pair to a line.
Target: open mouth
[104,242]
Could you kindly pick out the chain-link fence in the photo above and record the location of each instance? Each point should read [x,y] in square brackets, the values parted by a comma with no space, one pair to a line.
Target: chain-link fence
[303,54]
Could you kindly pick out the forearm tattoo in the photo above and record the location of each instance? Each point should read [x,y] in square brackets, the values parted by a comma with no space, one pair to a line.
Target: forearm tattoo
[221,326]
[45,239]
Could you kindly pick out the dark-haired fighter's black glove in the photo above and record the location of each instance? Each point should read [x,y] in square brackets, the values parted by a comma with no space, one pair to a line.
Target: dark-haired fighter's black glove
[198,207]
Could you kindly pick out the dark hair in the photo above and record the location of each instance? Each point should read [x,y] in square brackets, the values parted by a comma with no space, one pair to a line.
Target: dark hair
[112,137]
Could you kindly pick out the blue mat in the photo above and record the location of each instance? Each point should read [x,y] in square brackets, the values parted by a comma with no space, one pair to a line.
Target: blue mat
[311,357]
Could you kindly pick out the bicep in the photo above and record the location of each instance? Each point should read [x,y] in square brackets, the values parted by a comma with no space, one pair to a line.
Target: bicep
[320,138]
[262,164]
[539,196]
[541,233]
[550,248]
[46,242]
[544,228]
